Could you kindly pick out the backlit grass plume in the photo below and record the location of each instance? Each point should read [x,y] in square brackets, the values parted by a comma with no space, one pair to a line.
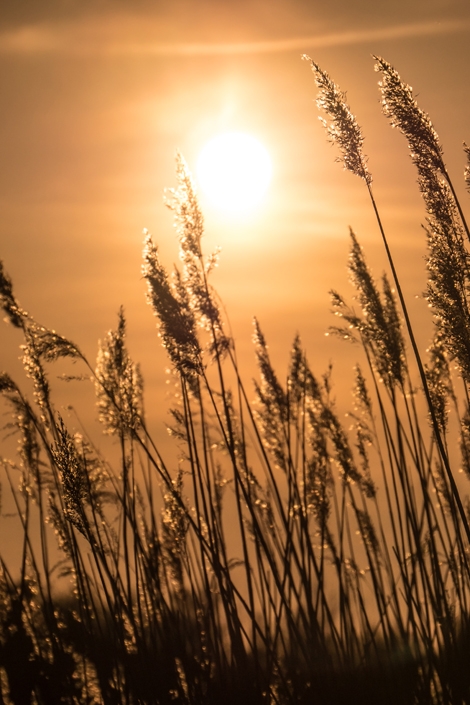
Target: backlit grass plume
[404,113]
[467,168]
[343,128]
[189,225]
[175,317]
[118,383]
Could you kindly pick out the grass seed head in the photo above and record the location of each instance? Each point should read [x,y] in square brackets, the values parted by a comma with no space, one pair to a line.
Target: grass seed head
[447,291]
[189,221]
[271,389]
[439,380]
[72,475]
[176,321]
[14,313]
[381,325]
[6,383]
[343,128]
[118,384]
[403,112]
[466,173]
[35,371]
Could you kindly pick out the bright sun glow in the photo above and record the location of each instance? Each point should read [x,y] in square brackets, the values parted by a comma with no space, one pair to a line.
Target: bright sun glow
[234,171]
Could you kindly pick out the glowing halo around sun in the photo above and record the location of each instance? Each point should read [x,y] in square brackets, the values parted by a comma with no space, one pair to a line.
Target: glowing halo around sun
[234,171]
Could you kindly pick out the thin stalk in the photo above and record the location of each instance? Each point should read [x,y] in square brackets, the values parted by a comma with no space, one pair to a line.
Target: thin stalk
[422,373]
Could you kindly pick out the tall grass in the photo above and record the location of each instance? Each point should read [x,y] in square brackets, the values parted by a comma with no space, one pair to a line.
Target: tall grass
[279,557]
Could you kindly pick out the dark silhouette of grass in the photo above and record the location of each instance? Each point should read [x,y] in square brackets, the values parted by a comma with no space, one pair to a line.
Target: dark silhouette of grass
[287,559]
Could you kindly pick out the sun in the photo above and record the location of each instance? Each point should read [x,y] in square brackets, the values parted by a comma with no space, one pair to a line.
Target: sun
[234,171]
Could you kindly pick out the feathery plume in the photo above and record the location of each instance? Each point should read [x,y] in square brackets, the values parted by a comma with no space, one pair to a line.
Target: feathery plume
[466,173]
[189,221]
[343,129]
[361,393]
[189,226]
[14,313]
[72,475]
[343,454]
[319,481]
[175,317]
[368,533]
[395,339]
[342,310]
[439,380]
[175,526]
[35,371]
[425,149]
[296,378]
[447,292]
[270,388]
[50,346]
[43,345]
[273,413]
[118,383]
[380,326]
[403,112]
[34,473]
[6,383]
[56,518]
[363,439]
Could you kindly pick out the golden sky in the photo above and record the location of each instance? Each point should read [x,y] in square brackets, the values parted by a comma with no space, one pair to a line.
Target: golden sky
[97,96]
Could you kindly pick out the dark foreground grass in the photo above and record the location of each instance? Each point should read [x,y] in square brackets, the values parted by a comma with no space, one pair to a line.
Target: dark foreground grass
[279,557]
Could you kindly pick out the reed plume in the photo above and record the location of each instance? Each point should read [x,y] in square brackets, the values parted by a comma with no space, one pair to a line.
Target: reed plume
[343,129]
[466,173]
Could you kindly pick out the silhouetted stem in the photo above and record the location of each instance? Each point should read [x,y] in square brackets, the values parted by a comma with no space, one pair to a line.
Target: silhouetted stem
[422,373]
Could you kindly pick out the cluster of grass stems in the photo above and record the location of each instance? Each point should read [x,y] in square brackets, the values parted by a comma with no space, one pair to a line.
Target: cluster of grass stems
[279,557]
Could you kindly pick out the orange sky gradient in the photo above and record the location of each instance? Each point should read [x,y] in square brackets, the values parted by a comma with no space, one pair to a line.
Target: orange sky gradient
[97,96]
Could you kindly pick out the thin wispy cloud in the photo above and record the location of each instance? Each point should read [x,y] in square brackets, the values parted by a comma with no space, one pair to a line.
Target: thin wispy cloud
[299,43]
[74,40]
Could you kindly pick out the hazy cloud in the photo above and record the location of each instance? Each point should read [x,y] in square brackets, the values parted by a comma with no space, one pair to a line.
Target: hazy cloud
[296,43]
[87,39]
